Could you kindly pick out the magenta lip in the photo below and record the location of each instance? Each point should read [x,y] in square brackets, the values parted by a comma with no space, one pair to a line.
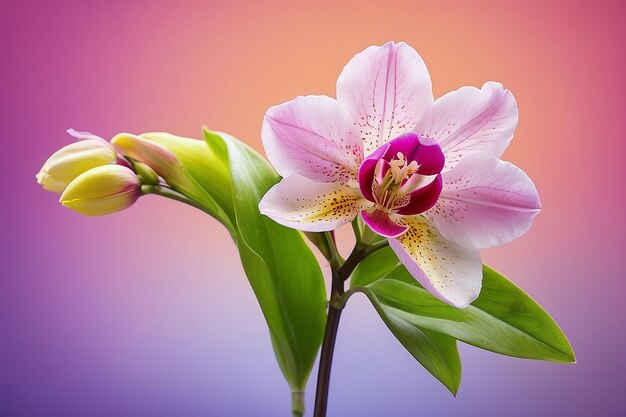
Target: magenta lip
[426,153]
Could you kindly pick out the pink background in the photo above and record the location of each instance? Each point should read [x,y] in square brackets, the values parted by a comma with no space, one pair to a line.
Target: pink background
[148,313]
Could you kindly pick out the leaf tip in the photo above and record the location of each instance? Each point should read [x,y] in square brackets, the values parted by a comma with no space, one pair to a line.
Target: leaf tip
[565,357]
[567,352]
[208,133]
[571,356]
[454,390]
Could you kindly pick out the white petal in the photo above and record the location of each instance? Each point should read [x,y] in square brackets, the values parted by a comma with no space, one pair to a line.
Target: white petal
[314,137]
[485,202]
[303,204]
[449,272]
[471,120]
[386,90]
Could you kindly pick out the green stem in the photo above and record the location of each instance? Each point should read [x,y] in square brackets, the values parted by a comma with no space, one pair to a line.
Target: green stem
[319,240]
[340,273]
[297,403]
[360,252]
[172,195]
[334,257]
[328,347]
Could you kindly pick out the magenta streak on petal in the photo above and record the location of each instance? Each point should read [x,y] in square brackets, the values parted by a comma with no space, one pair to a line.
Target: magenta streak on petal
[430,159]
[124,162]
[391,57]
[367,169]
[407,144]
[423,198]
[426,153]
[380,222]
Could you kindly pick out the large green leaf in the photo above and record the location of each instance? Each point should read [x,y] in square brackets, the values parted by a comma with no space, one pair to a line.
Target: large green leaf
[282,270]
[283,273]
[436,352]
[503,319]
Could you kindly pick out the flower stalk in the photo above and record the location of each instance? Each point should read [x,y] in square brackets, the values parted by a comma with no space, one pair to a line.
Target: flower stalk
[340,272]
[297,403]
[167,192]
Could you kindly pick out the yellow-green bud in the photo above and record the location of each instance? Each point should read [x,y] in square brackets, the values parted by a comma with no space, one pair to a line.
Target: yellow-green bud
[72,160]
[156,156]
[146,174]
[102,190]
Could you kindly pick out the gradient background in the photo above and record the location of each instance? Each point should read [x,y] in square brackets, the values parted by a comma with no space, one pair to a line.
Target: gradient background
[148,313]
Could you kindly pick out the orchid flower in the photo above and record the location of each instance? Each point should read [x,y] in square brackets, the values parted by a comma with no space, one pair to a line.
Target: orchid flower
[423,173]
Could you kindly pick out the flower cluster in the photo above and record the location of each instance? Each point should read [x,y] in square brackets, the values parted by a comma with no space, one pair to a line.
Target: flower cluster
[420,175]
[425,174]
[96,177]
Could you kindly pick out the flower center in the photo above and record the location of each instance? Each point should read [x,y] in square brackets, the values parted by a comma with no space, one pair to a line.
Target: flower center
[389,180]
[403,176]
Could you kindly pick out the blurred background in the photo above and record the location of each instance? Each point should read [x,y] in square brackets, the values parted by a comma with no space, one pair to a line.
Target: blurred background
[148,312]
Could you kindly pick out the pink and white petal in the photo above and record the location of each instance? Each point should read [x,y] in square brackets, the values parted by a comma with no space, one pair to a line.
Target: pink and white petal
[449,272]
[88,136]
[471,120]
[83,135]
[304,204]
[312,136]
[485,202]
[386,90]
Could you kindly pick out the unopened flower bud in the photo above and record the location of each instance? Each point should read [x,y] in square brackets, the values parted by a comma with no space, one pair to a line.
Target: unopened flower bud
[187,166]
[146,174]
[102,190]
[156,156]
[159,158]
[72,160]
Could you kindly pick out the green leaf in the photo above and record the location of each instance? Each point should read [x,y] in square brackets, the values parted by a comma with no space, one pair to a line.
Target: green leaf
[280,267]
[436,352]
[374,267]
[282,270]
[503,319]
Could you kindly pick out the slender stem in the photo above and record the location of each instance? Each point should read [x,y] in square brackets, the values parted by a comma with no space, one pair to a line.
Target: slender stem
[173,195]
[357,255]
[356,228]
[340,273]
[328,347]
[334,258]
[360,252]
[297,403]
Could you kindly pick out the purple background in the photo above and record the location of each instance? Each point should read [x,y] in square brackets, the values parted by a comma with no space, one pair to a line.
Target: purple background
[148,313]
